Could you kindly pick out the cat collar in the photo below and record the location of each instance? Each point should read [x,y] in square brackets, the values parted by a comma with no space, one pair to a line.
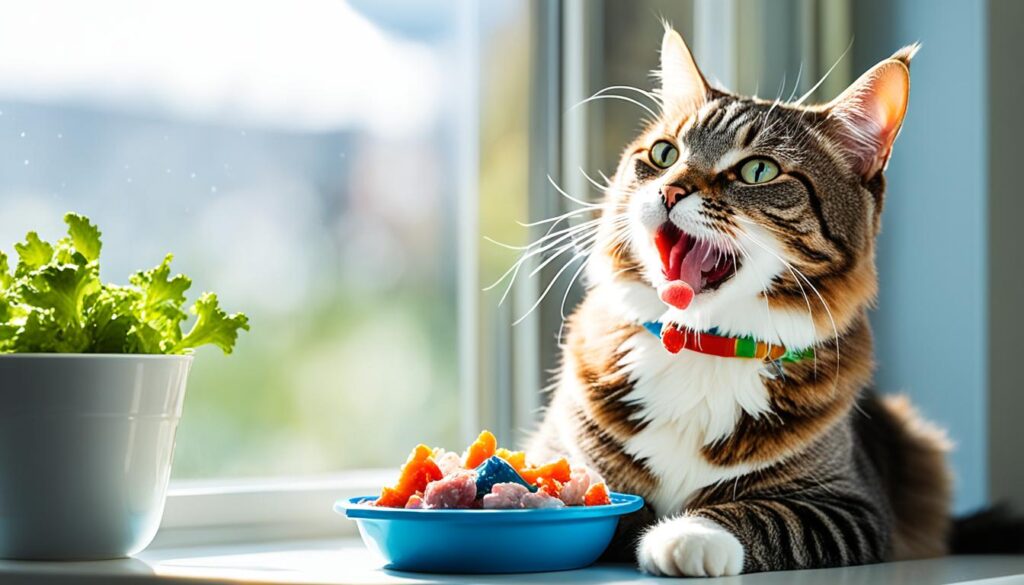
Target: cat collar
[676,338]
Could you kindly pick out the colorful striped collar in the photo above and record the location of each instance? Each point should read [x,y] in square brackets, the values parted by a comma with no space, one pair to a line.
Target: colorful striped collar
[710,342]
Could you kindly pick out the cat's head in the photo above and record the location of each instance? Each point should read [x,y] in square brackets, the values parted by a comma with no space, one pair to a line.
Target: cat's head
[756,217]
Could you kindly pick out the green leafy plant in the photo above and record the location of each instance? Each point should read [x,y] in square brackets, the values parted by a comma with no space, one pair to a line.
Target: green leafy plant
[54,302]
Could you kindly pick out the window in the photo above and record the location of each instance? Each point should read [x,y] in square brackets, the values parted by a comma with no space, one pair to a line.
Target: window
[303,161]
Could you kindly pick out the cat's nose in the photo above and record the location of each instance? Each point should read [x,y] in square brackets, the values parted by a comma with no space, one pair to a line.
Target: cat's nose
[672,194]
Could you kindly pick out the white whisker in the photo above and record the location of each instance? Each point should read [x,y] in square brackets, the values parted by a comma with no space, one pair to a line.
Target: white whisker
[796,279]
[824,77]
[652,96]
[549,287]
[796,85]
[573,244]
[828,310]
[556,218]
[545,239]
[611,96]
[764,284]
[514,269]
[570,197]
[591,180]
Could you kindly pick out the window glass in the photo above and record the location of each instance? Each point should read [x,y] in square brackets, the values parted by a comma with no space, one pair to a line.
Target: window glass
[299,158]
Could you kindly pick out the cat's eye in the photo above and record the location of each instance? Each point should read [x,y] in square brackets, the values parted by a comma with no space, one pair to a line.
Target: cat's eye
[664,154]
[758,170]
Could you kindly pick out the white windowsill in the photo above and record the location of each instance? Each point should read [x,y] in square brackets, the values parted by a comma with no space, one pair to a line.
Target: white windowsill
[203,513]
[347,562]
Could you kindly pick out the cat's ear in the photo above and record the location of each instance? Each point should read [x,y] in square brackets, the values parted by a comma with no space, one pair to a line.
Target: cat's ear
[683,88]
[867,117]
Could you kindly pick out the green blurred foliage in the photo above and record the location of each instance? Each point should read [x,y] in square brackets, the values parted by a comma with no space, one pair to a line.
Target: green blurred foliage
[348,385]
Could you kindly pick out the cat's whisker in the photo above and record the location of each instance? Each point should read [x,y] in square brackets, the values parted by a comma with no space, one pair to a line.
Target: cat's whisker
[828,310]
[533,250]
[610,96]
[491,240]
[565,295]
[764,227]
[546,238]
[605,177]
[767,301]
[824,77]
[763,289]
[796,279]
[557,218]
[619,236]
[601,188]
[570,197]
[580,244]
[796,85]
[548,288]
[764,284]
[575,234]
[769,129]
[650,95]
[578,231]
[608,207]
[515,272]
[778,94]
[568,288]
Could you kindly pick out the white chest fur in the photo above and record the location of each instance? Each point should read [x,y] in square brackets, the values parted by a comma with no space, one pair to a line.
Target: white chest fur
[689,400]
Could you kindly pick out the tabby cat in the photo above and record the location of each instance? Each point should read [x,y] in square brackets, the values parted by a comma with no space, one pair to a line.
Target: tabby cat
[721,361]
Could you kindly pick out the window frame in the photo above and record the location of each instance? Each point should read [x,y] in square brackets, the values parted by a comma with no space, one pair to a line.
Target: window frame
[507,398]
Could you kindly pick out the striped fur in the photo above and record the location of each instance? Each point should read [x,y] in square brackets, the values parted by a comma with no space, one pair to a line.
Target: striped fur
[744,469]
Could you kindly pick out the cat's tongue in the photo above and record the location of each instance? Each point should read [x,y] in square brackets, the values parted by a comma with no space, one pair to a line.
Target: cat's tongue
[683,260]
[676,294]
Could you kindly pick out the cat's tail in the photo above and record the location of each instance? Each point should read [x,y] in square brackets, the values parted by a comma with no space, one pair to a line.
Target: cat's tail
[992,530]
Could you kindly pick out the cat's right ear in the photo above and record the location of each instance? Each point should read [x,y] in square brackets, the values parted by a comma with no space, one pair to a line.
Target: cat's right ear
[867,117]
[683,88]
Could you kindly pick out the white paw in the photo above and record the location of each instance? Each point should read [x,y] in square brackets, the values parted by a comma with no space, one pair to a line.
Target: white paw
[690,547]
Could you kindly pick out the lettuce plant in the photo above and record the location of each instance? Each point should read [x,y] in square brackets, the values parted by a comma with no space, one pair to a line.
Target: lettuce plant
[54,302]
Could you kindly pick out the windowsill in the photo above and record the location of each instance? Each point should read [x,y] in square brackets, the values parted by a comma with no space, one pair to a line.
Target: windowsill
[208,513]
[347,562]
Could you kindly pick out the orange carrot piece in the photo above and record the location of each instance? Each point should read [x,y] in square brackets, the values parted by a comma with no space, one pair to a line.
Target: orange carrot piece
[481,450]
[597,495]
[558,469]
[550,486]
[418,471]
[390,498]
[517,459]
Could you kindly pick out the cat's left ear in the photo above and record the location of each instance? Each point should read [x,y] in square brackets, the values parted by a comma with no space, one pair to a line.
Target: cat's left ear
[868,116]
[683,88]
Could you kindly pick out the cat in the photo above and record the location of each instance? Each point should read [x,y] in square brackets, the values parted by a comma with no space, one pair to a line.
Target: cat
[734,227]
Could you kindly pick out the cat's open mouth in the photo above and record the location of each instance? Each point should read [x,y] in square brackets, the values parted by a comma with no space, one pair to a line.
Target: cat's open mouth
[690,265]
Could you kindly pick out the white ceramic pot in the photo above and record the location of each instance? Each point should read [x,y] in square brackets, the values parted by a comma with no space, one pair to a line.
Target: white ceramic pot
[86,443]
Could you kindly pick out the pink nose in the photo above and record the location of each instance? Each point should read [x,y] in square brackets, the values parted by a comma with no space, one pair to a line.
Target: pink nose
[671,194]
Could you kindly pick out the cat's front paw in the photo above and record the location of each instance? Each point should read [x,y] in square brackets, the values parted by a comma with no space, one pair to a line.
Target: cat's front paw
[690,547]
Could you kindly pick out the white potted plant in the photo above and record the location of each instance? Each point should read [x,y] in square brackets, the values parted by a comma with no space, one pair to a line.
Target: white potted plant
[92,380]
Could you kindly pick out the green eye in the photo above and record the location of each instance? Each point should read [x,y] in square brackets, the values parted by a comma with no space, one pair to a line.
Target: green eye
[758,170]
[664,154]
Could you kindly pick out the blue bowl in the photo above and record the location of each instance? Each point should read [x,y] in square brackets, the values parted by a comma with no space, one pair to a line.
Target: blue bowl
[488,541]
